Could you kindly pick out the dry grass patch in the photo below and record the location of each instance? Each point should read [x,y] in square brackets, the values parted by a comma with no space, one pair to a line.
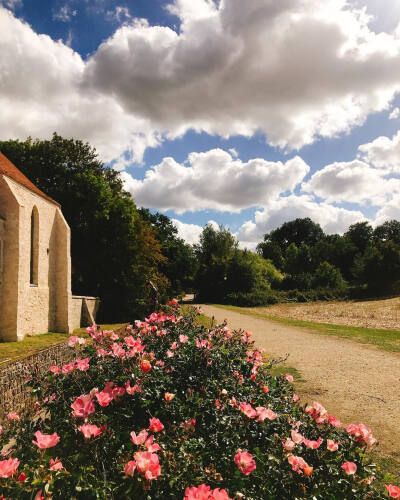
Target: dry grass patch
[368,314]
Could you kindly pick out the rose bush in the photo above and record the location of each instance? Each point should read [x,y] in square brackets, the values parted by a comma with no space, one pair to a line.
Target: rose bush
[170,410]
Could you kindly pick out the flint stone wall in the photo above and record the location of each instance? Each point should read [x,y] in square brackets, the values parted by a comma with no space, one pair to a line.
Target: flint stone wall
[14,393]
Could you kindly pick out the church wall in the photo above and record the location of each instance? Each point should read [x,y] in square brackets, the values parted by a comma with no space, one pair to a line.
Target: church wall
[9,213]
[43,306]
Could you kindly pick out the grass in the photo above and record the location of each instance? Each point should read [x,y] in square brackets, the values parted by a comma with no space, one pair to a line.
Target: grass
[388,340]
[12,351]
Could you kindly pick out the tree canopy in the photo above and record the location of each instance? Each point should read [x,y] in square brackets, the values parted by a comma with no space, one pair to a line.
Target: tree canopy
[113,250]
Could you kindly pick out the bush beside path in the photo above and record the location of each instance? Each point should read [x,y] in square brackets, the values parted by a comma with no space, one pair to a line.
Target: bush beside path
[356,382]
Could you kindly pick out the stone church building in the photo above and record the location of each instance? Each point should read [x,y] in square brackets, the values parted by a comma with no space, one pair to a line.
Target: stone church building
[35,262]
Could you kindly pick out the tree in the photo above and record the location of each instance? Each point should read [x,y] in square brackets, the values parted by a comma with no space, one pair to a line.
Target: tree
[360,234]
[113,252]
[298,231]
[328,276]
[271,251]
[180,264]
[214,252]
[389,230]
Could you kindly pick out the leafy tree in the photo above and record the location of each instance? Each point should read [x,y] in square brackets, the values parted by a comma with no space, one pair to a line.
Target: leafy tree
[180,262]
[328,276]
[360,234]
[214,252]
[379,267]
[298,231]
[389,230]
[248,272]
[271,251]
[113,251]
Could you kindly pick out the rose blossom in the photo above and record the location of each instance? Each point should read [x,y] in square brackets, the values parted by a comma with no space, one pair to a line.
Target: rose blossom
[104,398]
[140,438]
[83,406]
[331,445]
[8,467]
[46,440]
[288,444]
[89,430]
[248,410]
[130,467]
[55,369]
[82,364]
[147,463]
[394,491]
[289,377]
[145,365]
[55,464]
[13,416]
[155,425]
[296,437]
[169,396]
[349,468]
[245,462]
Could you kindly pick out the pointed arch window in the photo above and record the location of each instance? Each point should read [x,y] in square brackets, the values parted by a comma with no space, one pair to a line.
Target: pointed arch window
[34,260]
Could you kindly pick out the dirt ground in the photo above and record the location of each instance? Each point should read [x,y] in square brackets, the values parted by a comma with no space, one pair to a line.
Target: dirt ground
[369,314]
[355,382]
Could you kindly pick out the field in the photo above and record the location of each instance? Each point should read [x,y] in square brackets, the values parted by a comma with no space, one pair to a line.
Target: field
[382,314]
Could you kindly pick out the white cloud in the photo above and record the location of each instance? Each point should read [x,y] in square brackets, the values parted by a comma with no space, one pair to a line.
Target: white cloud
[214,180]
[233,68]
[120,14]
[65,14]
[332,219]
[394,114]
[191,232]
[383,152]
[353,182]
[248,66]
[57,98]
[11,4]
[390,211]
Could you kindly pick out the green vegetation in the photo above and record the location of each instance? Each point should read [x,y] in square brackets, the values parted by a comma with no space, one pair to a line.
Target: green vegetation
[227,274]
[113,249]
[388,340]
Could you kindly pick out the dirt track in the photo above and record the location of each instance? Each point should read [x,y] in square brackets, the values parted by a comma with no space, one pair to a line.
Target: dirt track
[357,383]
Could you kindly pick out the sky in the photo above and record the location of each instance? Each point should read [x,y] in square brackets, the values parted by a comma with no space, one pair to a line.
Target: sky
[241,113]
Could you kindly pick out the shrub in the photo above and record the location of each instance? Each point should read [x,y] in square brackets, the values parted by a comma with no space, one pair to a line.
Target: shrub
[170,410]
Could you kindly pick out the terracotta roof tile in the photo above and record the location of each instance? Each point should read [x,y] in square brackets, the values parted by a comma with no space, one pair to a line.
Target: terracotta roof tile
[10,170]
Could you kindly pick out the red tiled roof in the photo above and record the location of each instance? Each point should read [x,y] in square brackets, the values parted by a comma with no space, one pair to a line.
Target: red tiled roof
[10,170]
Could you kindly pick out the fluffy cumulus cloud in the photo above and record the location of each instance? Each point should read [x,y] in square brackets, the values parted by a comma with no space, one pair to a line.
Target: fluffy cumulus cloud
[191,232]
[332,219]
[388,212]
[355,182]
[383,152]
[214,180]
[233,67]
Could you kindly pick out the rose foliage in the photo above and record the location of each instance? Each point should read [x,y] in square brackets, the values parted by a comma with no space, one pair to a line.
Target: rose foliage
[170,410]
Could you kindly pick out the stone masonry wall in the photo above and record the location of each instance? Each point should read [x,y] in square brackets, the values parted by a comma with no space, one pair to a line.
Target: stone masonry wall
[15,394]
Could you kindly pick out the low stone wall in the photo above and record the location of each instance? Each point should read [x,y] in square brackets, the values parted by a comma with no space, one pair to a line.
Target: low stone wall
[14,393]
[84,310]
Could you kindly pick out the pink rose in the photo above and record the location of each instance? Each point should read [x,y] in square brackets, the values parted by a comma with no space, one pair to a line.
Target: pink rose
[104,398]
[89,430]
[140,438]
[130,467]
[147,464]
[350,468]
[13,416]
[56,464]
[247,410]
[296,437]
[288,444]
[331,445]
[83,406]
[82,364]
[289,377]
[8,467]
[264,413]
[46,440]
[394,491]
[55,369]
[155,425]
[245,462]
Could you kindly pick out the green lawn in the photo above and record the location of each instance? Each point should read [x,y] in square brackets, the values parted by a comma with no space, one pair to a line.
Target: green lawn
[11,351]
[388,340]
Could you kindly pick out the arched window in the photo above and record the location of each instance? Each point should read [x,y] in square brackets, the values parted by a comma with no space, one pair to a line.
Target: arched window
[34,246]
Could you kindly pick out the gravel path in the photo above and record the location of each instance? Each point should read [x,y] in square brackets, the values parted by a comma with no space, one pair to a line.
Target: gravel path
[355,382]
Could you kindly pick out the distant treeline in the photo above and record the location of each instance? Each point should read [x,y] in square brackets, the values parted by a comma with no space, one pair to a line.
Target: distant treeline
[304,264]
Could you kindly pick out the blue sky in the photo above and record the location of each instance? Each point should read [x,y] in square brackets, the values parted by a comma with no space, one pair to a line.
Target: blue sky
[242,113]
